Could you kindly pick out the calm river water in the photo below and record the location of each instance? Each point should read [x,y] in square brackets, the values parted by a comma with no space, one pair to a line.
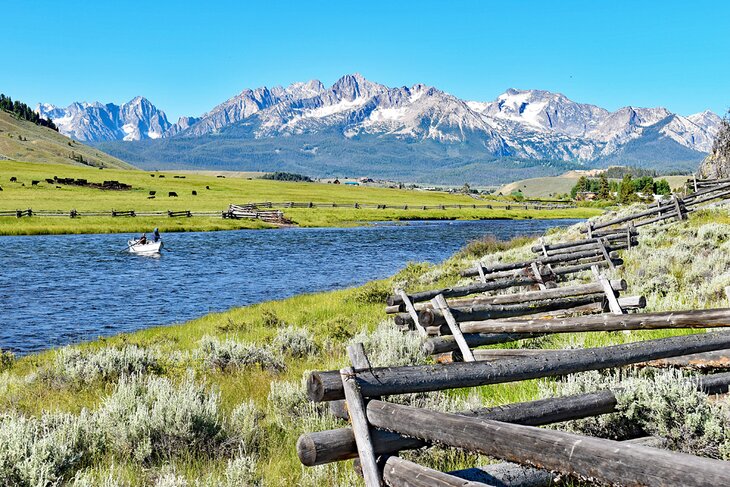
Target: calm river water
[62,289]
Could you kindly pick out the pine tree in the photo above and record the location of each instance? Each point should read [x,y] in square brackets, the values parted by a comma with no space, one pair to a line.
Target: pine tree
[626,192]
[604,188]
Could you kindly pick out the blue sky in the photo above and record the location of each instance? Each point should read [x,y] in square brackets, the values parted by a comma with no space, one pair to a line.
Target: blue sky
[187,56]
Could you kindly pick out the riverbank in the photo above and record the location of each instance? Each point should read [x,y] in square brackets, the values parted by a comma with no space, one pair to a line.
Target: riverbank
[212,195]
[233,380]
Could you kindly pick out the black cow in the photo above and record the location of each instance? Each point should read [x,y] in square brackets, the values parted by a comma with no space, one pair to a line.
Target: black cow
[172,194]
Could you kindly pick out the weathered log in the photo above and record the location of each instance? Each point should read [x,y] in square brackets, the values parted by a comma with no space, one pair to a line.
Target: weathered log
[605,322]
[539,260]
[634,216]
[492,354]
[719,359]
[515,298]
[508,474]
[431,317]
[587,241]
[613,245]
[327,386]
[443,344]
[398,472]
[605,460]
[335,445]
[339,444]
[477,287]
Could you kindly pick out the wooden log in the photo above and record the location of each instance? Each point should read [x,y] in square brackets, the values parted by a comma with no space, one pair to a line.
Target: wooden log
[525,297]
[627,218]
[322,447]
[608,461]
[576,243]
[356,408]
[494,354]
[339,444]
[508,474]
[431,317]
[616,244]
[514,281]
[539,260]
[412,311]
[458,291]
[443,344]
[708,318]
[719,359]
[440,303]
[398,472]
[327,386]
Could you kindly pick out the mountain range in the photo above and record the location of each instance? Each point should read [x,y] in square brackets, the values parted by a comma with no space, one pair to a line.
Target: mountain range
[359,127]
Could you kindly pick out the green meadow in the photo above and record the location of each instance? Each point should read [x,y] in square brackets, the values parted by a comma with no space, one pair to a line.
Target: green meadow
[214,194]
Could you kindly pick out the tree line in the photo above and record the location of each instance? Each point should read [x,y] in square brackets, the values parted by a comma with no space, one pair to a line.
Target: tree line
[628,190]
[23,111]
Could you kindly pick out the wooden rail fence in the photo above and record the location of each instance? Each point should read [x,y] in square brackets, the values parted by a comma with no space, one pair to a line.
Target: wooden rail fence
[454,321]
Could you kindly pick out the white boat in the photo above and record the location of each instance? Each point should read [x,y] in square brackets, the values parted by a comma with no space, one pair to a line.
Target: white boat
[147,248]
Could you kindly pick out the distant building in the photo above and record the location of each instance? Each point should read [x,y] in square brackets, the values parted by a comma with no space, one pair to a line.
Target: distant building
[586,196]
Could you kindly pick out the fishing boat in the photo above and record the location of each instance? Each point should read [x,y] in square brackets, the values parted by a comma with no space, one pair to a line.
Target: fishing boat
[147,248]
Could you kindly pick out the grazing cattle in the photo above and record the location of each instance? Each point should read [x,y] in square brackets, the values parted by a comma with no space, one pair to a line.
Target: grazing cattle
[207,187]
[34,183]
[172,194]
[151,197]
[152,193]
[1,188]
[161,176]
[152,175]
[13,179]
[195,193]
[50,181]
[58,187]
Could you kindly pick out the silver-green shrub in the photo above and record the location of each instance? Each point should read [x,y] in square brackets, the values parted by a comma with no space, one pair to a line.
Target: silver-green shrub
[296,342]
[45,450]
[231,354]
[148,418]
[665,404]
[245,429]
[387,346]
[108,363]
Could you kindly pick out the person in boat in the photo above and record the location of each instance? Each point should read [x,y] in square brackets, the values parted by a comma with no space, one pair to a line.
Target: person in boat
[143,239]
[156,235]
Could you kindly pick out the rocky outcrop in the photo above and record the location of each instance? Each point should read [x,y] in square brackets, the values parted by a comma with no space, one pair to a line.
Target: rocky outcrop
[717,164]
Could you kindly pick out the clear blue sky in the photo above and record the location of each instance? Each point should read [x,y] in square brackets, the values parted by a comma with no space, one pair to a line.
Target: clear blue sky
[187,56]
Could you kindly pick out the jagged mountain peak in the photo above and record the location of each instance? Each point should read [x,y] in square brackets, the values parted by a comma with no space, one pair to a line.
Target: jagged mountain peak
[136,119]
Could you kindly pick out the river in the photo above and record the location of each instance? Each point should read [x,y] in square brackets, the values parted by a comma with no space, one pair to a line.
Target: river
[63,289]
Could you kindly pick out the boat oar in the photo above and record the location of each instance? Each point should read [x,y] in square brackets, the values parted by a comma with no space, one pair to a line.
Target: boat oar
[128,246]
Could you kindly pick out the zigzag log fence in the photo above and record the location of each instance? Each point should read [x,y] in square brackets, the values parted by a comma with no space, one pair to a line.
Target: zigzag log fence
[454,321]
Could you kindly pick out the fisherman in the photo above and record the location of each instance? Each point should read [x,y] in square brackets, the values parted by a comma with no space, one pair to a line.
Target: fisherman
[156,235]
[143,239]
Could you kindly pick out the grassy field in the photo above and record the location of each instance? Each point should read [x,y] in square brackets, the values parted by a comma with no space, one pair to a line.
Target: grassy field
[21,140]
[214,194]
[551,187]
[220,397]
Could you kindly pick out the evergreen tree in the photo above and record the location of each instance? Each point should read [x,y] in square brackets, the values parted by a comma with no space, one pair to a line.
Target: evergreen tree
[626,192]
[604,189]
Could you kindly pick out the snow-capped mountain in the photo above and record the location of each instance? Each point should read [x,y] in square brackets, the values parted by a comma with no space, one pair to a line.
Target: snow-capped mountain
[356,119]
[137,119]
